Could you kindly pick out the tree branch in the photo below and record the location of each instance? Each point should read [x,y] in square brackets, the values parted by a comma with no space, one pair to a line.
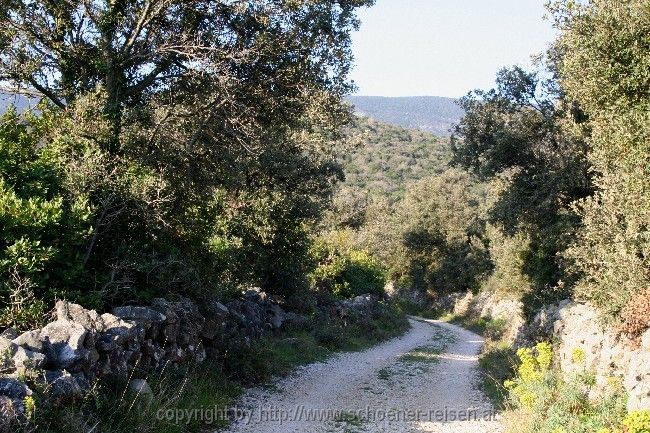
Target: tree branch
[47,92]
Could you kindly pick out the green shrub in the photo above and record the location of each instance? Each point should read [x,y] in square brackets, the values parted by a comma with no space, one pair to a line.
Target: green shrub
[542,402]
[44,229]
[612,250]
[495,328]
[344,270]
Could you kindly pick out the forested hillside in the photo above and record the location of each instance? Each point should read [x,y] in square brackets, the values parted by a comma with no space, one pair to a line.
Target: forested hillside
[383,159]
[434,114]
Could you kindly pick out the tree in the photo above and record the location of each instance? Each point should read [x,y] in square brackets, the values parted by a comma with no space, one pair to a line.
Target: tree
[266,56]
[528,139]
[606,68]
[199,133]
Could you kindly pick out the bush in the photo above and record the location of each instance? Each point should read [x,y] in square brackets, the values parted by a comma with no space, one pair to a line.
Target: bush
[345,270]
[636,314]
[44,228]
[612,250]
[638,421]
[542,402]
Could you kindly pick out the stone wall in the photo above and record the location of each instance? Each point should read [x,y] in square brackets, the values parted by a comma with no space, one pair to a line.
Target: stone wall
[81,346]
[489,305]
[573,328]
[577,328]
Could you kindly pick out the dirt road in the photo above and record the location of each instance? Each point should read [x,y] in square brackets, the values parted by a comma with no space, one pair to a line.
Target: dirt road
[424,381]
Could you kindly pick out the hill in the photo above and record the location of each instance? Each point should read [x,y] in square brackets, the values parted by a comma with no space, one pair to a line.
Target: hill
[390,157]
[19,101]
[428,113]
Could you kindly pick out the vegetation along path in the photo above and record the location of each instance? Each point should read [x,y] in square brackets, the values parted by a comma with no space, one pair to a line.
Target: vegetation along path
[424,381]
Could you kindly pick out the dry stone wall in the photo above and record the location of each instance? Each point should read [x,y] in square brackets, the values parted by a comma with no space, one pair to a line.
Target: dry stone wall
[577,329]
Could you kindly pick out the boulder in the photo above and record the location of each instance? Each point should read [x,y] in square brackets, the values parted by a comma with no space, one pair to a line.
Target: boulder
[7,348]
[116,332]
[216,315]
[62,387]
[9,334]
[64,341]
[89,319]
[276,316]
[14,389]
[145,315]
[140,390]
[30,340]
[26,360]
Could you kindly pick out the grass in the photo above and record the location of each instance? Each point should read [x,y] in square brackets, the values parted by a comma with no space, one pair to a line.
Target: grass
[182,400]
[413,309]
[497,364]
[352,422]
[417,361]
[423,354]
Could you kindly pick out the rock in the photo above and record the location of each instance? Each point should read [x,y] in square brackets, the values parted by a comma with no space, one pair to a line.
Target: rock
[30,340]
[276,316]
[62,387]
[26,360]
[7,348]
[215,320]
[296,320]
[255,294]
[144,315]
[14,389]
[190,320]
[89,319]
[65,343]
[117,332]
[140,389]
[9,334]
[166,309]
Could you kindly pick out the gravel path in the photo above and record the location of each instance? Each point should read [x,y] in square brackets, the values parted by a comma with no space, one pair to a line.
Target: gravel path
[424,381]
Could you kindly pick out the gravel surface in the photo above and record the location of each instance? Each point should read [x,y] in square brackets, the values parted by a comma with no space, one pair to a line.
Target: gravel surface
[424,381]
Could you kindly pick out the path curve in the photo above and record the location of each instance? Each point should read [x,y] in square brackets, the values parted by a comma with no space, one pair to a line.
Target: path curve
[424,381]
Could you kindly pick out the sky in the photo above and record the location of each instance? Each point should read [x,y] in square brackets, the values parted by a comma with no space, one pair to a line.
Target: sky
[444,47]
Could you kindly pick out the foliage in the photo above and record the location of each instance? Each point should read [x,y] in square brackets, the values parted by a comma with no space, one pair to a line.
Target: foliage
[384,159]
[497,364]
[440,245]
[543,402]
[344,270]
[183,161]
[635,316]
[605,68]
[528,141]
[238,57]
[638,421]
[43,228]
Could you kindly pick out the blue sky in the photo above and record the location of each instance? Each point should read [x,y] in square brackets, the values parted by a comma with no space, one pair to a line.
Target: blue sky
[444,47]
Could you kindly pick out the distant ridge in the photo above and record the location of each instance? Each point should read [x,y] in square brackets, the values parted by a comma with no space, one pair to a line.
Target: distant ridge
[21,102]
[434,114]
